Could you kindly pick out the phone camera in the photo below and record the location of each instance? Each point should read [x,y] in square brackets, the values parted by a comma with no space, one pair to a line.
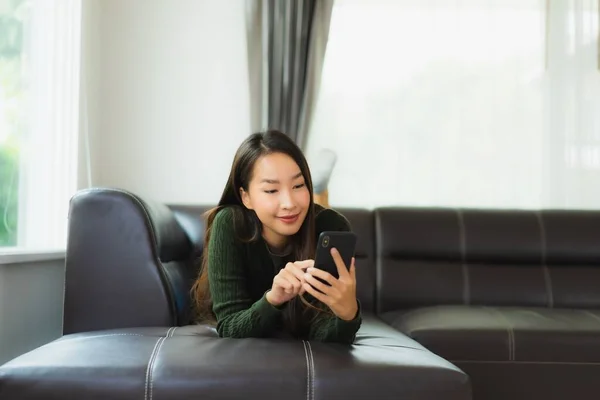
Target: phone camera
[326,241]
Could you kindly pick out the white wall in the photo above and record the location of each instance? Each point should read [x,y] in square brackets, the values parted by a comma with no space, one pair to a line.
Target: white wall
[162,79]
[167,90]
[31,304]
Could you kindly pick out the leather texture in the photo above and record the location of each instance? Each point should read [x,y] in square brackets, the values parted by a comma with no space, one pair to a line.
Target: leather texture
[487,257]
[191,362]
[481,333]
[129,263]
[511,297]
[459,304]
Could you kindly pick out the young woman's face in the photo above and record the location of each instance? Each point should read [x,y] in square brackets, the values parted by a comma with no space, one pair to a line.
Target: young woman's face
[278,194]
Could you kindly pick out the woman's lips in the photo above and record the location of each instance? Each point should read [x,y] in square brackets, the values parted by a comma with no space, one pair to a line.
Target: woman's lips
[289,219]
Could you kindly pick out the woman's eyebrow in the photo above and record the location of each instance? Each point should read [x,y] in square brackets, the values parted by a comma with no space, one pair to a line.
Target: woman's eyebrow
[275,181]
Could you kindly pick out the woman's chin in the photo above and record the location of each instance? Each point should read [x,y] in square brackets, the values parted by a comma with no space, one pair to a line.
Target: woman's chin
[288,230]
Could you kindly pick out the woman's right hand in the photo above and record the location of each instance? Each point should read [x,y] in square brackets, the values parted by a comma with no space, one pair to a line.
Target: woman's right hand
[288,283]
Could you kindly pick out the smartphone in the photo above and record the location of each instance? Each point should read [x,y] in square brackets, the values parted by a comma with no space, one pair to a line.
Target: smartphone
[344,242]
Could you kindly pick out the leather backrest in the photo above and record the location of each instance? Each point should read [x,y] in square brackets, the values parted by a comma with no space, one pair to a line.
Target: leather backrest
[406,257]
[428,256]
[362,223]
[191,219]
[129,263]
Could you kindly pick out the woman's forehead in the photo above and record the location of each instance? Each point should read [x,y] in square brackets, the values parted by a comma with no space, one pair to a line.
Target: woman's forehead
[276,166]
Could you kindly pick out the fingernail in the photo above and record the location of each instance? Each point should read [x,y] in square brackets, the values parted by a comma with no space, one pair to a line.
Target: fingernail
[307,276]
[311,269]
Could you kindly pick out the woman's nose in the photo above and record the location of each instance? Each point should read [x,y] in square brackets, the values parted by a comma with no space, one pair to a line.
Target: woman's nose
[286,200]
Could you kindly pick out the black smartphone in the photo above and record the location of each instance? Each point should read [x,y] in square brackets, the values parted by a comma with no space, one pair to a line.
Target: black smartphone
[344,242]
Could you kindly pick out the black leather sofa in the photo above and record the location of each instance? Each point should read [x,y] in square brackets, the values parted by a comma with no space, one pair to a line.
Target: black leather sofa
[512,297]
[127,332]
[493,304]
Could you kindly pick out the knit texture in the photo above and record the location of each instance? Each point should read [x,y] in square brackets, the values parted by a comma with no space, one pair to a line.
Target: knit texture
[240,273]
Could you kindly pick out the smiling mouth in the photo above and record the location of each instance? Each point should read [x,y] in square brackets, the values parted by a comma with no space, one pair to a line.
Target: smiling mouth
[289,218]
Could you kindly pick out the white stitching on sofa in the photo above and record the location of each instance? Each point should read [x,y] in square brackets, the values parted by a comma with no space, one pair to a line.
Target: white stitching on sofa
[151,374]
[150,366]
[463,254]
[148,392]
[546,270]
[509,331]
[312,364]
[308,370]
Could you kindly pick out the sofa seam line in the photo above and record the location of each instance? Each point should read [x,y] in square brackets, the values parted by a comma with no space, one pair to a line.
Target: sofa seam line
[509,331]
[152,369]
[149,366]
[307,371]
[545,269]
[463,254]
[312,364]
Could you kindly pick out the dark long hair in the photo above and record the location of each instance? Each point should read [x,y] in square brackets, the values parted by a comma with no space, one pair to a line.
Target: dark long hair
[248,227]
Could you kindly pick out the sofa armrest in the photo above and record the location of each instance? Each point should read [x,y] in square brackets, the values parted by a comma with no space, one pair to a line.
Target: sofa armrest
[129,263]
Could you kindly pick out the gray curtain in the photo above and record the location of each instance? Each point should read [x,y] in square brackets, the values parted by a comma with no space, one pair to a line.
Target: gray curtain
[286,47]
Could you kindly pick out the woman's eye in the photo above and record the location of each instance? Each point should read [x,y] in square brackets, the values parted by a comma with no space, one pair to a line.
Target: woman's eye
[270,191]
[299,186]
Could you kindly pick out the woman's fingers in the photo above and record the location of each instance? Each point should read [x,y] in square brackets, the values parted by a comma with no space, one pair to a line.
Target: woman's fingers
[304,264]
[295,283]
[339,262]
[353,269]
[314,282]
[296,271]
[324,275]
[317,295]
[291,278]
[283,283]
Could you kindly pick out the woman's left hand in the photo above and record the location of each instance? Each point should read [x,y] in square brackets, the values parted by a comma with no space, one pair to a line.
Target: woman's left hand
[340,297]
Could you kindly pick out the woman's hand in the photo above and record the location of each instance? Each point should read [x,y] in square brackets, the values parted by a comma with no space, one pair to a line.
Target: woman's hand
[287,284]
[340,297]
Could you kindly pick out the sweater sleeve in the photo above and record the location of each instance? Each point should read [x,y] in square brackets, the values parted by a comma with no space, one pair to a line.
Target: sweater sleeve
[330,328]
[237,316]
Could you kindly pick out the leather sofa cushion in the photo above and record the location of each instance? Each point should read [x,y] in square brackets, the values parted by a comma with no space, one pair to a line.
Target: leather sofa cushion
[527,334]
[191,363]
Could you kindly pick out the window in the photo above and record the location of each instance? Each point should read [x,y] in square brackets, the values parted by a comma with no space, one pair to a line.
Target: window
[467,103]
[39,116]
[11,95]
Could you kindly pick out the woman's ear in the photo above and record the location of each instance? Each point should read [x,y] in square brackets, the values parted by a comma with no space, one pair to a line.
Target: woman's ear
[245,198]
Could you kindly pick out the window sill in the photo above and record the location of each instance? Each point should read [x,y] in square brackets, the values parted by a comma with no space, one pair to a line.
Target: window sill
[13,255]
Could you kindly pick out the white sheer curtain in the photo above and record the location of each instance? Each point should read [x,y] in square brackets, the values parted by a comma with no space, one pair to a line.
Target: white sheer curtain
[469,103]
[48,169]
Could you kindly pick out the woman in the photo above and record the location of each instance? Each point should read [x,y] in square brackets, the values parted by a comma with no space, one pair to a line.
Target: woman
[257,274]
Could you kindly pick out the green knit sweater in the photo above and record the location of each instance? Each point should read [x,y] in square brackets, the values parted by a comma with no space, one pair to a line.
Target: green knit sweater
[239,274]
